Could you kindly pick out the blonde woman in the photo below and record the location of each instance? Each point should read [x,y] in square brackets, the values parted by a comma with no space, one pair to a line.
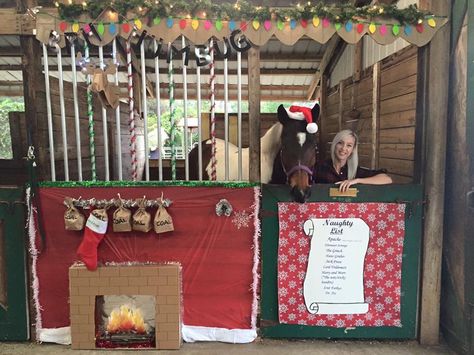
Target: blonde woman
[343,167]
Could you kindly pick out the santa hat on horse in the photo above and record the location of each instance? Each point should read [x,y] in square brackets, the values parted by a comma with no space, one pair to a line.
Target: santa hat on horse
[303,112]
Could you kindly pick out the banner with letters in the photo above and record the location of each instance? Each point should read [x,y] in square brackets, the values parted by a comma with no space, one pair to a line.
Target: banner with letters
[339,264]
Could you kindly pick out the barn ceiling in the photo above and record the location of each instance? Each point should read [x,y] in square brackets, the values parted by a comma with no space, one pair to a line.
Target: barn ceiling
[285,71]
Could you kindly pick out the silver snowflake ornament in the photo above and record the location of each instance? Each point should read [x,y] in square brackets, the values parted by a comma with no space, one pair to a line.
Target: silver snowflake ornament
[241,219]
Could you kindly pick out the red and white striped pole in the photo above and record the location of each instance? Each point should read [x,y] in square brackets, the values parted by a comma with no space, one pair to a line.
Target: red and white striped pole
[131,115]
[212,98]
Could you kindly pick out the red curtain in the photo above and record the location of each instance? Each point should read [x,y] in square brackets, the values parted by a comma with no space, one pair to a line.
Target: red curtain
[215,252]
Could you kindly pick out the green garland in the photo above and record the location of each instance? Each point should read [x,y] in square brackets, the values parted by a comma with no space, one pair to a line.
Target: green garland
[182,183]
[241,9]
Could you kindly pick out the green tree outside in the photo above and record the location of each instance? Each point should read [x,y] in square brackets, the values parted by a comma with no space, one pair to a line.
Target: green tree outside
[265,107]
[8,104]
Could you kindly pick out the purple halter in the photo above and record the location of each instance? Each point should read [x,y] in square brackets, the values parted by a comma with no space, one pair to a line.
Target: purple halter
[297,168]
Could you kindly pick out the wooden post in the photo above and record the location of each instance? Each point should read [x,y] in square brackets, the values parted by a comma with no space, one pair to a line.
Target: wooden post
[341,105]
[358,51]
[323,136]
[254,113]
[374,154]
[434,175]
[33,79]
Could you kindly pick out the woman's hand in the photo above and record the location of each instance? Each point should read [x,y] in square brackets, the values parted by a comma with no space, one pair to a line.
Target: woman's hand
[344,185]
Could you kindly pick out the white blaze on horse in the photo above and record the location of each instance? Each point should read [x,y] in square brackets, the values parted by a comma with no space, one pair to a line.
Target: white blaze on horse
[288,153]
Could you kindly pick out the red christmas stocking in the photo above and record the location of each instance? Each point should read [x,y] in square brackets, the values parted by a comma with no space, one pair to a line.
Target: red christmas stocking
[94,232]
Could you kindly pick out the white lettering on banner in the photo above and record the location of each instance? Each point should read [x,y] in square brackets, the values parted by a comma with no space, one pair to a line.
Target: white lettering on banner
[96,225]
[334,281]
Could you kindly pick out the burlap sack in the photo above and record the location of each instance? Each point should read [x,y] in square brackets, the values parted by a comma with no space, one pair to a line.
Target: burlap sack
[163,221]
[141,220]
[121,219]
[73,219]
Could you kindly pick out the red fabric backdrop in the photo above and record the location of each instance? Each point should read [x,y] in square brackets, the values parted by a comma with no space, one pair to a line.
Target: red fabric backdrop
[215,252]
[382,266]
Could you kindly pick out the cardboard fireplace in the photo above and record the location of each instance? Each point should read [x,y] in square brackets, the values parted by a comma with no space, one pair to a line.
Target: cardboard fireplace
[125,306]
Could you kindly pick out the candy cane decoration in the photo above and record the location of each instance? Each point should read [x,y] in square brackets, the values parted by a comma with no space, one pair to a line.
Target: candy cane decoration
[212,96]
[90,115]
[104,123]
[131,117]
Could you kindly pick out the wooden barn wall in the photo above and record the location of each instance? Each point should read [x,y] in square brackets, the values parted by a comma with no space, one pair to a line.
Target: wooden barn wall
[381,108]
[43,143]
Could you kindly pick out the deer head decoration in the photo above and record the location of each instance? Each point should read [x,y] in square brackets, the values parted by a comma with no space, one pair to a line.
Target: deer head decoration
[109,93]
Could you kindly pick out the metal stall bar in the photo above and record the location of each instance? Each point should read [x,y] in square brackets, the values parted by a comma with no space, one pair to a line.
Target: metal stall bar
[185,112]
[145,110]
[76,112]
[49,113]
[117,115]
[158,110]
[104,123]
[198,94]
[63,113]
[239,110]
[226,113]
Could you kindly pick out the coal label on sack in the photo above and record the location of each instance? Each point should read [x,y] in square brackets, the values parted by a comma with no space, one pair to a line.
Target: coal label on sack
[121,220]
[163,222]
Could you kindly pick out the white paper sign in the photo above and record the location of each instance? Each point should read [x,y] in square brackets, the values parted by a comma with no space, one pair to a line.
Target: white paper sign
[334,282]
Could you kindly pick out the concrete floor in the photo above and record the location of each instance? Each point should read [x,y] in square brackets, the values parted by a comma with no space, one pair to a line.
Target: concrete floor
[265,346]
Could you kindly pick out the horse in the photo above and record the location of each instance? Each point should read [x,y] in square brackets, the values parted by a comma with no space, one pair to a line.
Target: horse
[288,155]
[269,147]
[296,160]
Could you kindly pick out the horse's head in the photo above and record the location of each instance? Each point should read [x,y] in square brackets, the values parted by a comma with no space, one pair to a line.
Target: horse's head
[298,148]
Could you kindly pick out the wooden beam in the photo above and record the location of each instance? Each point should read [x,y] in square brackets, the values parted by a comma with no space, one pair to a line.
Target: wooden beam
[341,104]
[14,23]
[17,92]
[322,121]
[374,153]
[254,113]
[234,87]
[340,48]
[164,69]
[434,176]
[245,97]
[328,54]
[358,52]
[34,81]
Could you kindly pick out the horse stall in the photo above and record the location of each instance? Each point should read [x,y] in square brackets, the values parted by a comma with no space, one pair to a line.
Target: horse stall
[228,259]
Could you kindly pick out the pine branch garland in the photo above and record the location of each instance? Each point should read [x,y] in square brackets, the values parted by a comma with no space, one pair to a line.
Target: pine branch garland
[242,10]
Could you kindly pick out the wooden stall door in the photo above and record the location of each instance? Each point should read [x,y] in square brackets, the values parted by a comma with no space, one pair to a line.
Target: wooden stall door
[408,194]
[13,296]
